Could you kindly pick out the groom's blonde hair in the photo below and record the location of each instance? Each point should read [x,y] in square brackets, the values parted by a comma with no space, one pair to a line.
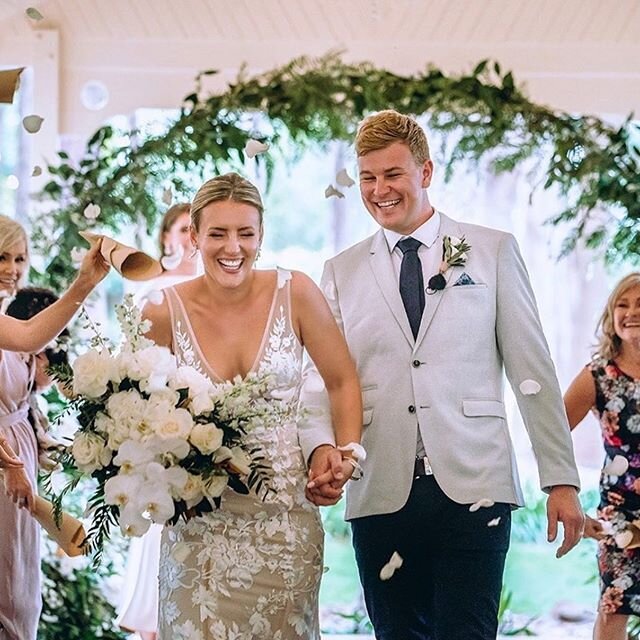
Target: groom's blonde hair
[382,129]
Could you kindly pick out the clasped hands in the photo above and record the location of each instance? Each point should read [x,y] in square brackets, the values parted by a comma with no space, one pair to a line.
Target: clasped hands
[329,470]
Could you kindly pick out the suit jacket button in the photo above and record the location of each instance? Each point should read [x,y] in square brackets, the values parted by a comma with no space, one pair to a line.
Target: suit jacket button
[412,409]
[416,363]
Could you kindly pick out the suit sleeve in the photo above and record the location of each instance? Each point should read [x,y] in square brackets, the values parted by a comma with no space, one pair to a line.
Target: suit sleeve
[526,358]
[314,424]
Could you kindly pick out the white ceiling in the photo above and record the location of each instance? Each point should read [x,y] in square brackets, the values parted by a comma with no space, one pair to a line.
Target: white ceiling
[579,55]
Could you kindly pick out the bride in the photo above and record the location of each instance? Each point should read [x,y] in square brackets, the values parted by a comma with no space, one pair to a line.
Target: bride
[252,568]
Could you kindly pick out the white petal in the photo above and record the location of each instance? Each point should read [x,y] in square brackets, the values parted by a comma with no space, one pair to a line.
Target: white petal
[155,296]
[254,147]
[77,255]
[395,562]
[344,179]
[32,123]
[493,523]
[482,503]
[529,387]
[607,527]
[37,171]
[332,191]
[616,467]
[623,539]
[167,196]
[34,14]
[91,211]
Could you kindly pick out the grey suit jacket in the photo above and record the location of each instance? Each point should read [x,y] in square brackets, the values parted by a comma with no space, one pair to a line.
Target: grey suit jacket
[449,381]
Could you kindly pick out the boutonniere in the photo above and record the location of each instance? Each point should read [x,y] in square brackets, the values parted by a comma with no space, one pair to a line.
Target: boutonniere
[454,254]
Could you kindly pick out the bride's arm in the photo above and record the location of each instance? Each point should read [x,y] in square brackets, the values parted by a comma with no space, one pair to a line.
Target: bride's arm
[34,334]
[158,314]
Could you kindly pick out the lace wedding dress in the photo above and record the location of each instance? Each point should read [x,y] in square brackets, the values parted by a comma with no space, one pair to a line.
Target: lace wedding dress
[251,569]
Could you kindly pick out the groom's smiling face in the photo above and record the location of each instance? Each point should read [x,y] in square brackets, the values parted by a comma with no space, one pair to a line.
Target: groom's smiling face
[393,187]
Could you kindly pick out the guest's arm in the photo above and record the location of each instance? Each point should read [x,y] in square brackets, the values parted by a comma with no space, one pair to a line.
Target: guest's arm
[580,397]
[34,334]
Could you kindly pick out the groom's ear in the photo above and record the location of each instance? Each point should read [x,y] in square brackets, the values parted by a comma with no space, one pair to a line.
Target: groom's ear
[427,173]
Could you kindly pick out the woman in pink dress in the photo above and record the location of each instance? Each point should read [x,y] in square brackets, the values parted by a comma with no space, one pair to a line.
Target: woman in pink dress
[138,610]
[20,599]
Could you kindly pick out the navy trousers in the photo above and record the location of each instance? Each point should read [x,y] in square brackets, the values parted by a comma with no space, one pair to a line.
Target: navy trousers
[449,585]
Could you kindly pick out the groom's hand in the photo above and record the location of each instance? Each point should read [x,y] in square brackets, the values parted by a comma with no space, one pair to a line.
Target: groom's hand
[327,475]
[563,506]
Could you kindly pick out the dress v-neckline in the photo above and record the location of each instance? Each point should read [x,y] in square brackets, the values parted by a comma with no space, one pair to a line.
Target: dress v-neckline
[196,343]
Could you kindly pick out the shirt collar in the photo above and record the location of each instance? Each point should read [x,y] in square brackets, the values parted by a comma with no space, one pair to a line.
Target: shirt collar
[427,232]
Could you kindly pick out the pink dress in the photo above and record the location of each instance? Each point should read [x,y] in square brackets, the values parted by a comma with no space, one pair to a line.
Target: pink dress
[20,599]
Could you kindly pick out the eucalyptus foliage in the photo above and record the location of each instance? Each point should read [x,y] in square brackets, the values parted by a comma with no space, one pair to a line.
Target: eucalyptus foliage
[313,101]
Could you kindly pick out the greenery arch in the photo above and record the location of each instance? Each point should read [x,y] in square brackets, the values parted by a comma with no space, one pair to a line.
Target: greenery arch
[594,165]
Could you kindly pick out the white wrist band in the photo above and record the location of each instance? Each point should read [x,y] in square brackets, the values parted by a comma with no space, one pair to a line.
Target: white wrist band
[356,449]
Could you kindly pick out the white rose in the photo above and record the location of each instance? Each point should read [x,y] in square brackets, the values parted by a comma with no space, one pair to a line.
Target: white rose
[150,361]
[90,452]
[187,377]
[91,373]
[176,424]
[207,438]
[215,485]
[193,491]
[127,407]
[202,403]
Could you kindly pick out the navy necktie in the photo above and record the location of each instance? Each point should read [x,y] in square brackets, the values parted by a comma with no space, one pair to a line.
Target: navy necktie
[412,282]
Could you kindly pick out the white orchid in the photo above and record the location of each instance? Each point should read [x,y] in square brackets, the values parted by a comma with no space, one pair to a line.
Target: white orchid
[132,455]
[132,523]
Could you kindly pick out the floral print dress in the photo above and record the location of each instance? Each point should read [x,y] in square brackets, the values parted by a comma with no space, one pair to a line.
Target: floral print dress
[251,569]
[618,410]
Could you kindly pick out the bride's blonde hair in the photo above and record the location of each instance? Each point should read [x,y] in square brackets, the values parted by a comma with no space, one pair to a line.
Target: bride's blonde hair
[12,232]
[229,186]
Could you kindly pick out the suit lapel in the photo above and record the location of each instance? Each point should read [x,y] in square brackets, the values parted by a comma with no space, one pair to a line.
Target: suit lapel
[448,227]
[384,273]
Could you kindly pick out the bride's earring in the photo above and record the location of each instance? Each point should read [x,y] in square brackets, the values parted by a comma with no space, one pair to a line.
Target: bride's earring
[194,253]
[258,252]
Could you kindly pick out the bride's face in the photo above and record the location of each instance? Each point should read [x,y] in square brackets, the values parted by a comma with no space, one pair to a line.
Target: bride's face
[13,264]
[228,237]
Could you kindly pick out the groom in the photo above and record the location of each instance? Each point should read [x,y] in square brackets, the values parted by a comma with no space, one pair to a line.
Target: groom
[434,311]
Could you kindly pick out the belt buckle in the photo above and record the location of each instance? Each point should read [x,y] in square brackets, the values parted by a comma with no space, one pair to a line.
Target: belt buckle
[422,467]
[428,471]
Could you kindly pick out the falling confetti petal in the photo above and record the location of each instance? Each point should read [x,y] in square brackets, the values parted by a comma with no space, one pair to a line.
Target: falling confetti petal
[616,467]
[484,502]
[254,147]
[155,296]
[91,211]
[329,291]
[37,171]
[34,14]
[332,191]
[77,255]
[172,261]
[395,562]
[344,179]
[493,523]
[529,387]
[32,123]
[607,527]
[623,539]
[167,196]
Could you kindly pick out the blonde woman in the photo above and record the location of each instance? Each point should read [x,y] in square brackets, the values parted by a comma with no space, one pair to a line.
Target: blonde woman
[20,599]
[609,386]
[252,568]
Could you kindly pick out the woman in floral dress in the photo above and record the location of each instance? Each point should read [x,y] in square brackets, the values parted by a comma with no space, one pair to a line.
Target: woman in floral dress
[251,569]
[610,387]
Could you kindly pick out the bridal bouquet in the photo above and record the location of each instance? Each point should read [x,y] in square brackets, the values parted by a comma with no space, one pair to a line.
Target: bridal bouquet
[160,439]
